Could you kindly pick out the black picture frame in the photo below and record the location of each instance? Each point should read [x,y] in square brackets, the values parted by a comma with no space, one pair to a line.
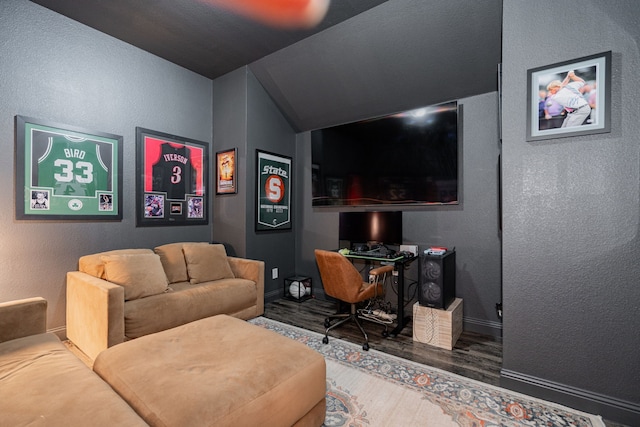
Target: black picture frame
[316,182]
[172,177]
[552,116]
[227,172]
[274,190]
[334,190]
[66,173]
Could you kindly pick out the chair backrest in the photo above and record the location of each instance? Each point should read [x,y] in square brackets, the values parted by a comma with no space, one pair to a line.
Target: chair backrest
[340,278]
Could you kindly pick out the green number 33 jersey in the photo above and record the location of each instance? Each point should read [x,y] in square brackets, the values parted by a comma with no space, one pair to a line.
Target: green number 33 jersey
[73,167]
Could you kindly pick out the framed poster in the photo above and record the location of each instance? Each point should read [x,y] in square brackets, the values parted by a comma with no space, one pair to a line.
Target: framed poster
[274,192]
[66,173]
[315,181]
[226,172]
[171,180]
[334,190]
[569,98]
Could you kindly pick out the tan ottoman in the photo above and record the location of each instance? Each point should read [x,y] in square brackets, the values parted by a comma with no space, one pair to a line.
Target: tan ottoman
[218,371]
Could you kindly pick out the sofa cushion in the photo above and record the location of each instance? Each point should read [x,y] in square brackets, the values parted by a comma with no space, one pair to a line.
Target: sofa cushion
[140,275]
[206,263]
[187,303]
[93,265]
[172,258]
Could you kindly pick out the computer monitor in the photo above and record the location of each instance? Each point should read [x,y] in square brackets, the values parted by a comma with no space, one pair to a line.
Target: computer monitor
[383,227]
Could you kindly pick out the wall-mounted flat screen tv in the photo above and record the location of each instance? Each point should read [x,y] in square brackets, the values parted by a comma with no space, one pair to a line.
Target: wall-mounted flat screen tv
[407,158]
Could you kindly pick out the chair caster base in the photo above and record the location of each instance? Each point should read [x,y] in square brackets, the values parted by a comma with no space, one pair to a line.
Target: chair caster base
[325,340]
[365,347]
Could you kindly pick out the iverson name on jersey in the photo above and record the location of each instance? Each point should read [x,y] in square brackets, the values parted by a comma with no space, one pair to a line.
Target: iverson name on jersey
[172,157]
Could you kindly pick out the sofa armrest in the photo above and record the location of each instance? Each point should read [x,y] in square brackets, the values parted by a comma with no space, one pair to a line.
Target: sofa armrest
[252,270]
[95,313]
[21,318]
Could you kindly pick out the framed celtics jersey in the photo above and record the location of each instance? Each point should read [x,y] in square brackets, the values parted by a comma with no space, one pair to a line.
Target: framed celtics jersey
[66,173]
[171,180]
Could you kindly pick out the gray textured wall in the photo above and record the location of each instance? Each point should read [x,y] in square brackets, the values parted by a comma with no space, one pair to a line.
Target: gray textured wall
[56,69]
[268,130]
[230,131]
[471,227]
[245,117]
[571,216]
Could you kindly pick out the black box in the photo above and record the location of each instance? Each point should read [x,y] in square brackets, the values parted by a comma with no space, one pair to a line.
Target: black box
[298,288]
[437,284]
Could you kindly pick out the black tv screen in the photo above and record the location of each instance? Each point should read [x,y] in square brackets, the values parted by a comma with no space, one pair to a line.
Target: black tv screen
[406,158]
[364,227]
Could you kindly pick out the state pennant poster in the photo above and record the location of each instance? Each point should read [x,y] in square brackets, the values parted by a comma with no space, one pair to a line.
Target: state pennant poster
[274,192]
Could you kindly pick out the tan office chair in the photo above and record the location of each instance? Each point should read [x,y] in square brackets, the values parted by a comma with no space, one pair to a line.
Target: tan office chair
[341,280]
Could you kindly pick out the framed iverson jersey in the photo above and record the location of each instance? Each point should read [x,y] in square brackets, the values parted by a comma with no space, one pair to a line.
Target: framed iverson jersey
[64,172]
[171,180]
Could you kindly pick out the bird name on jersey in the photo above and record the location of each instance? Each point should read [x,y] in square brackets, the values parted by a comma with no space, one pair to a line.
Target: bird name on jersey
[75,153]
[172,157]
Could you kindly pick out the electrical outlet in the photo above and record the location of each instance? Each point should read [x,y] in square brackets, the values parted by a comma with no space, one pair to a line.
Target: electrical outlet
[274,273]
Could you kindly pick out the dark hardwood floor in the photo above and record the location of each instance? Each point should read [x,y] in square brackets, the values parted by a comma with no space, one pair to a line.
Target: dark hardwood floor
[474,356]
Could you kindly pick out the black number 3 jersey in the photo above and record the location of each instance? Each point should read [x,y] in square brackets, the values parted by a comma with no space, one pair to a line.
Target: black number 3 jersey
[174,173]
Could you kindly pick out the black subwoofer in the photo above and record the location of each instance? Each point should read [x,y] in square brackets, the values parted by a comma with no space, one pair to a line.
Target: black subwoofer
[437,285]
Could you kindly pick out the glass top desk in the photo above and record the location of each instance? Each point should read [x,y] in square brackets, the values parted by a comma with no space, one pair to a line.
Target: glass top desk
[399,263]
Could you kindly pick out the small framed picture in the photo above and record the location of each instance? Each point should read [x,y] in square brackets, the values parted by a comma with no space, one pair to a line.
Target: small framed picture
[334,190]
[569,98]
[315,181]
[226,172]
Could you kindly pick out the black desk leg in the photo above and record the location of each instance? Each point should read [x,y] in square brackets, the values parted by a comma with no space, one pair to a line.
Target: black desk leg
[402,320]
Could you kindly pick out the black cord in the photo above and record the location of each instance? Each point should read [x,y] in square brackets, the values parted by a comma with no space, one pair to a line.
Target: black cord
[415,292]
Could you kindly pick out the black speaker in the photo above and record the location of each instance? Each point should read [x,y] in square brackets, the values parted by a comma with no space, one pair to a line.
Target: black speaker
[437,285]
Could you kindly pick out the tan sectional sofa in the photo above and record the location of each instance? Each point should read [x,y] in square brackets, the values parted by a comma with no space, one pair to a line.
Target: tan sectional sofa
[44,384]
[218,371]
[124,294]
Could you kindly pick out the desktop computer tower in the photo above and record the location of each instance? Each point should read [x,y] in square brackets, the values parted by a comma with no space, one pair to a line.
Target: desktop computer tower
[437,284]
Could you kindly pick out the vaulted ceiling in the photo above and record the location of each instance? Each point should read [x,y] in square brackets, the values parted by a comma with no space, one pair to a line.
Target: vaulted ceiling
[203,38]
[366,58]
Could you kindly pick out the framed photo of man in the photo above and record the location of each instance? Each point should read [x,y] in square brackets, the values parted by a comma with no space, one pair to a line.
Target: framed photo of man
[274,191]
[226,172]
[171,180]
[65,172]
[569,98]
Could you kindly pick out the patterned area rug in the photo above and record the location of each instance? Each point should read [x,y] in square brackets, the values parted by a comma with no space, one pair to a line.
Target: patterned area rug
[376,389]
